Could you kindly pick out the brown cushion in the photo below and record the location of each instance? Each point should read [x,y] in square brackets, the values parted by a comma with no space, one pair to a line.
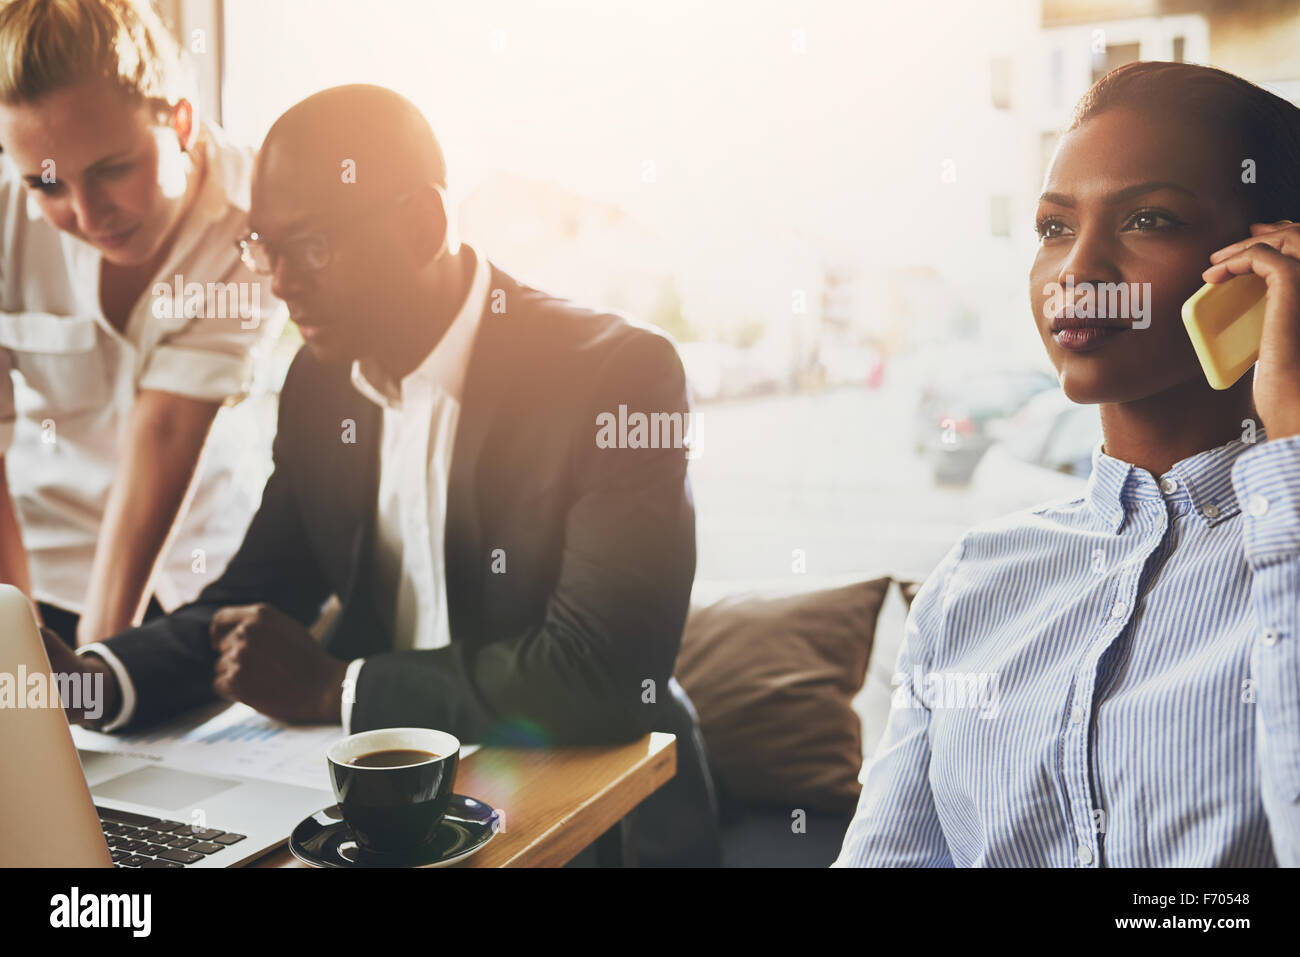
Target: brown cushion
[772,679]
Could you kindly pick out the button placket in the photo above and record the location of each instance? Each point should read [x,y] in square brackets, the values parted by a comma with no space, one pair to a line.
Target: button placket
[1080,784]
[420,477]
[1074,750]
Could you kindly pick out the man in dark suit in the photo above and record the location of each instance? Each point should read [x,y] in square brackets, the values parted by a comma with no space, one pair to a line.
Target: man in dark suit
[503,570]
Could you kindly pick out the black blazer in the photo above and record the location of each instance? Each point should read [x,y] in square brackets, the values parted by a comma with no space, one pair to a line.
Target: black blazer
[568,565]
[574,642]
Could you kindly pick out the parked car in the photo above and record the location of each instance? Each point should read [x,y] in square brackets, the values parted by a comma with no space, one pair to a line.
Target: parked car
[1042,453]
[954,414]
[841,364]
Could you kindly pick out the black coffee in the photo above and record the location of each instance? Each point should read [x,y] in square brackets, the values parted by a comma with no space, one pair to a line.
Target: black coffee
[394,799]
[393,759]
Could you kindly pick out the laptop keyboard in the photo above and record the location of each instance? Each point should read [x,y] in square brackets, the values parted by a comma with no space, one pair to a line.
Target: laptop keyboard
[137,840]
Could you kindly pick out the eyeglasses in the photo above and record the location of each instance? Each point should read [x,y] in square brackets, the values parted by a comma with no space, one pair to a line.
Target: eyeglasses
[306,252]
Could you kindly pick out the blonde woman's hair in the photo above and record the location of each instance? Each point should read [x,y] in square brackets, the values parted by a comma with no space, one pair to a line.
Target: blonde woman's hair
[47,45]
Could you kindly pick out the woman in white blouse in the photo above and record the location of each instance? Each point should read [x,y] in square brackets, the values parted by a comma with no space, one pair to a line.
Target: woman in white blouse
[124,311]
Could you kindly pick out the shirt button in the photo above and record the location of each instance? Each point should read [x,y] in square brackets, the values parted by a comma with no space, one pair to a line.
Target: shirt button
[1257,505]
[1169,484]
[1085,854]
[1076,714]
[1119,611]
[1270,637]
[1210,511]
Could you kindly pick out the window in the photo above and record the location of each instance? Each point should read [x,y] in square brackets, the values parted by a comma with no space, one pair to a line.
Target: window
[1000,82]
[1056,78]
[1000,215]
[1114,55]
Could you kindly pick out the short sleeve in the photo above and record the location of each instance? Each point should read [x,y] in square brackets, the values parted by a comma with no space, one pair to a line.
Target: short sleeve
[210,356]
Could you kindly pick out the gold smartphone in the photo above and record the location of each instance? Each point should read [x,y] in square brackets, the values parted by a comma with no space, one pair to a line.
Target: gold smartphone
[1226,323]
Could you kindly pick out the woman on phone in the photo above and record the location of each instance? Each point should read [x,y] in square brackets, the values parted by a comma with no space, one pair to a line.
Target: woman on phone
[1136,650]
[124,311]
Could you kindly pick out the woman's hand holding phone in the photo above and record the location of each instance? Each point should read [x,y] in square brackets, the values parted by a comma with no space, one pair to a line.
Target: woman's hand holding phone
[1273,253]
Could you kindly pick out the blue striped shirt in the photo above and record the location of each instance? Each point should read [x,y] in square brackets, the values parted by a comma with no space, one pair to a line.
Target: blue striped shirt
[1108,681]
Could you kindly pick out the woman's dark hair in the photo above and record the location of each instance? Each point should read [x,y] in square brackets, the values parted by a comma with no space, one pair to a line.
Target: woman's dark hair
[1261,125]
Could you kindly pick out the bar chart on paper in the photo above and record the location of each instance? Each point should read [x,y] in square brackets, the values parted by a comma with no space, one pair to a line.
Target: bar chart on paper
[232,739]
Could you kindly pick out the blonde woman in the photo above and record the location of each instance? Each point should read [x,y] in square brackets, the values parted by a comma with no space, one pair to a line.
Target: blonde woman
[124,312]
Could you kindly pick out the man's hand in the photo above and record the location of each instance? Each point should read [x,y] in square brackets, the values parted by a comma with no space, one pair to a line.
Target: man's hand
[273,664]
[63,660]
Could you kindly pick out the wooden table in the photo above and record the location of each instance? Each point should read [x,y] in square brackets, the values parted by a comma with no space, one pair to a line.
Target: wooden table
[556,801]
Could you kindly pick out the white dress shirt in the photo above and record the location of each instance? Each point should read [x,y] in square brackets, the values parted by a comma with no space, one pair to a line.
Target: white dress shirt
[419,430]
[63,416]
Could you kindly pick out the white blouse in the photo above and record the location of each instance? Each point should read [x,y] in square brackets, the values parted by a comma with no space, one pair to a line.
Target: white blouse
[63,416]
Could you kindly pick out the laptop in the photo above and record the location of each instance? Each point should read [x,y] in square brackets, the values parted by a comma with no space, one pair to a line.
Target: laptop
[60,807]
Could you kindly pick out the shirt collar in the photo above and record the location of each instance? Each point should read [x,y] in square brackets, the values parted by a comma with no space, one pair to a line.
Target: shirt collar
[228,179]
[445,366]
[1203,479]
